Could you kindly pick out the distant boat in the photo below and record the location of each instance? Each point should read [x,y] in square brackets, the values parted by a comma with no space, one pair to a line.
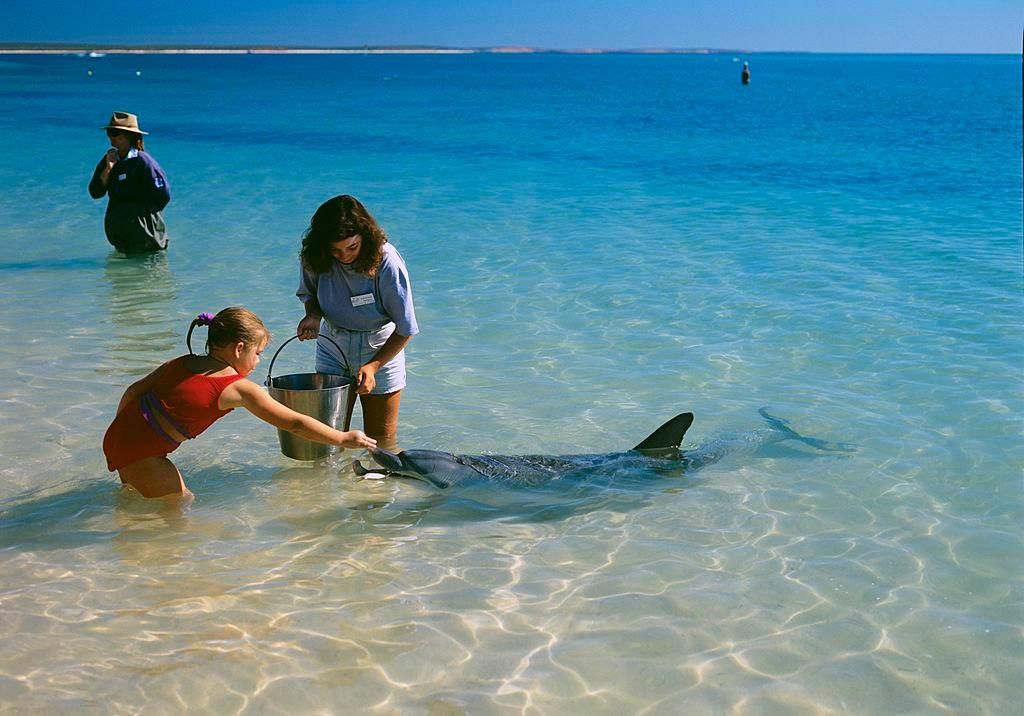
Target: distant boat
[97,54]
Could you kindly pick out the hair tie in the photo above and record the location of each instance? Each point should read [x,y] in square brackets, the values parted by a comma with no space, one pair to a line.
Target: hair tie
[204,319]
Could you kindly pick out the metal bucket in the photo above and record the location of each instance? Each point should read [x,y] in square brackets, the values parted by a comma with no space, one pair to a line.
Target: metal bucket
[318,395]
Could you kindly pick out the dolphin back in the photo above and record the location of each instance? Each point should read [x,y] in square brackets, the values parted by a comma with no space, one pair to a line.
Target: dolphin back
[669,436]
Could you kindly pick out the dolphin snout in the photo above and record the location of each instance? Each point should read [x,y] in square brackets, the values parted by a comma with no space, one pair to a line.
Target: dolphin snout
[385,459]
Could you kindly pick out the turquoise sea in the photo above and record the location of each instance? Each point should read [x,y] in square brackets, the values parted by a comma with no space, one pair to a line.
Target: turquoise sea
[596,243]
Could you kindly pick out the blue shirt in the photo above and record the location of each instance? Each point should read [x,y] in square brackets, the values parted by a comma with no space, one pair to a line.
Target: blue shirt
[352,300]
[138,192]
[136,179]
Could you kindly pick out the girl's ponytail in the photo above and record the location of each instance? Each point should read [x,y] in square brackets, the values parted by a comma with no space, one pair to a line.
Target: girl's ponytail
[203,319]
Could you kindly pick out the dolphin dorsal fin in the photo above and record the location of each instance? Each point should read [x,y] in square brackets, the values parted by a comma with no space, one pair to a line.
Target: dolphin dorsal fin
[668,436]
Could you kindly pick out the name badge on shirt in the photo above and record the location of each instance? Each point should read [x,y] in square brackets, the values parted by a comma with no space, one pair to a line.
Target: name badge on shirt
[362,300]
[122,177]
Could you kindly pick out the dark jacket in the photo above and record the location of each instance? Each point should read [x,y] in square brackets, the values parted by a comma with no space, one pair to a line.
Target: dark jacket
[138,192]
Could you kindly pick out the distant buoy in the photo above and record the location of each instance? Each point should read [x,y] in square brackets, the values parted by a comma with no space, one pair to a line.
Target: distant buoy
[138,73]
[89,72]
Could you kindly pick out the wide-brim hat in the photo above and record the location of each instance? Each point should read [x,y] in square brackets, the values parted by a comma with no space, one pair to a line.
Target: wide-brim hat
[124,121]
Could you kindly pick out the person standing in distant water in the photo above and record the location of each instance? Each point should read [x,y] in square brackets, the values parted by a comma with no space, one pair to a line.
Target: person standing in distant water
[136,187]
[356,291]
[745,75]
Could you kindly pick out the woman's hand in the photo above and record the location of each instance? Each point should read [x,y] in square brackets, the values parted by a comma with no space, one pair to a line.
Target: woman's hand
[357,439]
[108,162]
[366,379]
[309,327]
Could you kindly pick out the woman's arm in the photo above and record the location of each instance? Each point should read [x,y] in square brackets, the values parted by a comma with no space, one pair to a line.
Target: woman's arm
[246,394]
[154,184]
[98,184]
[395,293]
[309,326]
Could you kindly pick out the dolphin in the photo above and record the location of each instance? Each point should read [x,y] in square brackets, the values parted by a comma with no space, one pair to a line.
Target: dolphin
[659,451]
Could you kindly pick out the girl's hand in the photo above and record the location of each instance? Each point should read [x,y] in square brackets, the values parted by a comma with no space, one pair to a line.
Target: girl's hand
[309,327]
[357,439]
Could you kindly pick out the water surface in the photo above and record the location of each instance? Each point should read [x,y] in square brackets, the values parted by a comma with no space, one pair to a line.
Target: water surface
[596,244]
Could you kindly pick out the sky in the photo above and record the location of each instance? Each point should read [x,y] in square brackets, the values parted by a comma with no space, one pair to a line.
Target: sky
[962,26]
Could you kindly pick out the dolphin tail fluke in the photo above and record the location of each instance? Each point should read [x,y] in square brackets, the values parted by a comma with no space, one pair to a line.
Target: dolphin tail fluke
[669,436]
[783,427]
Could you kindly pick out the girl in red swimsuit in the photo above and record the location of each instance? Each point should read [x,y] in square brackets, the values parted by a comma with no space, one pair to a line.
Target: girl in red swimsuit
[185,396]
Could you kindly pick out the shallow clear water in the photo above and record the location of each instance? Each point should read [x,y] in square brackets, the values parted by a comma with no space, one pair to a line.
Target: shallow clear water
[596,244]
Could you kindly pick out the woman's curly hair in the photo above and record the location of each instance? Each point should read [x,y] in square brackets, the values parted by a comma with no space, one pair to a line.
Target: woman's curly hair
[336,220]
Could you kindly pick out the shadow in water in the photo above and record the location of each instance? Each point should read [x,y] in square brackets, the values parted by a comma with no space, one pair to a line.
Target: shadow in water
[71,514]
[142,289]
[65,264]
[316,500]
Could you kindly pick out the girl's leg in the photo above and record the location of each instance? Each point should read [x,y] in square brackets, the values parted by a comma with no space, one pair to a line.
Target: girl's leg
[380,416]
[154,477]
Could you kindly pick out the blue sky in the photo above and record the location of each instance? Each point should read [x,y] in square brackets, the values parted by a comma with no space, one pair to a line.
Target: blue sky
[756,25]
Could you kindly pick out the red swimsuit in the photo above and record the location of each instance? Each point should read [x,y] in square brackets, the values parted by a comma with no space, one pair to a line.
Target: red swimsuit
[185,400]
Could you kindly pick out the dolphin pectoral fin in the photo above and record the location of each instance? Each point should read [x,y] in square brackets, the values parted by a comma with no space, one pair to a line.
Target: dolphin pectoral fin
[669,436]
[363,474]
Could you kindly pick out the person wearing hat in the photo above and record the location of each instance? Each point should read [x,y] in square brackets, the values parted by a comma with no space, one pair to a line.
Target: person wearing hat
[136,187]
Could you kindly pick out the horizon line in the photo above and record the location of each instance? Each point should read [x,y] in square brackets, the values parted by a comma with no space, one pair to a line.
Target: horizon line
[199,48]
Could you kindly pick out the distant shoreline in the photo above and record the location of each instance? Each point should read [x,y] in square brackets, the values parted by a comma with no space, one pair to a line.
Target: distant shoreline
[61,49]
[98,50]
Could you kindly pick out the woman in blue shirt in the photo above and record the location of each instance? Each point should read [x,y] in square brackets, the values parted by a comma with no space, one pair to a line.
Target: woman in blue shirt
[357,292]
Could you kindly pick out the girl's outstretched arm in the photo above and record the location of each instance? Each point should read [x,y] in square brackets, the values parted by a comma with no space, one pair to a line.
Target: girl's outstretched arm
[246,394]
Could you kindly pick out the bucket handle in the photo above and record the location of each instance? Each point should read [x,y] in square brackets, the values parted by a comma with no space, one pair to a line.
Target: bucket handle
[351,395]
[270,370]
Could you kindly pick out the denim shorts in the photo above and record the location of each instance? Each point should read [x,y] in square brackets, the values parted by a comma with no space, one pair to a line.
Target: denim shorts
[357,349]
